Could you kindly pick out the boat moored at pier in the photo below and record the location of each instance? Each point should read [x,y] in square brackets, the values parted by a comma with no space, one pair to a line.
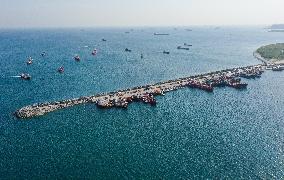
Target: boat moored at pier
[278,68]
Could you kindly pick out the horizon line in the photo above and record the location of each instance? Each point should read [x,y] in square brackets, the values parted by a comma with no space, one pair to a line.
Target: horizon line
[136,26]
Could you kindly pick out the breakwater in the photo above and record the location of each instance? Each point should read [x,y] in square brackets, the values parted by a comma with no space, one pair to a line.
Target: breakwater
[122,98]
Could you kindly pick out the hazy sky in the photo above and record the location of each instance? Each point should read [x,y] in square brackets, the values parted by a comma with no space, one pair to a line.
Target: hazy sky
[64,13]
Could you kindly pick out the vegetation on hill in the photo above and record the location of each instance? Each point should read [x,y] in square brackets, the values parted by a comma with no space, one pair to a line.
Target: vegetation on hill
[272,52]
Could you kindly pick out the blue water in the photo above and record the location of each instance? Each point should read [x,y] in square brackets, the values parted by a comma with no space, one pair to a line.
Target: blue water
[191,134]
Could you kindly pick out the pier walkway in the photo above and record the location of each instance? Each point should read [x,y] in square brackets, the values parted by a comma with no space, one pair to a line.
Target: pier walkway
[121,98]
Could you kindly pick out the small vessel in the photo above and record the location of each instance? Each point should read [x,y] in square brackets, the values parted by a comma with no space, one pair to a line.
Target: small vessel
[43,54]
[25,76]
[188,29]
[127,32]
[276,30]
[127,50]
[269,66]
[161,34]
[278,68]
[166,52]
[185,44]
[141,56]
[238,85]
[77,58]
[60,69]
[94,52]
[184,48]
[104,40]
[30,61]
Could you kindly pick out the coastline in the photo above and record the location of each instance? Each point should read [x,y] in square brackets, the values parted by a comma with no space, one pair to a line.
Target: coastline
[270,54]
[267,61]
[259,57]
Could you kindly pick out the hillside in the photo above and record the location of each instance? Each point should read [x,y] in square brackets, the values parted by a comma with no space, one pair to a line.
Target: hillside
[272,52]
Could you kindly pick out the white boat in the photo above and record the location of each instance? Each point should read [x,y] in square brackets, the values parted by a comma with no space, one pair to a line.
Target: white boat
[30,61]
[25,76]
[94,52]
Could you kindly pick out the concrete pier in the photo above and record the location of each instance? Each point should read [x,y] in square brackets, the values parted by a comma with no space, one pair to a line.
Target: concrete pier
[147,93]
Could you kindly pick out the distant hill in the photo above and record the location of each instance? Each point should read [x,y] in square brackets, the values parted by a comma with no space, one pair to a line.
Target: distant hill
[277,26]
[272,52]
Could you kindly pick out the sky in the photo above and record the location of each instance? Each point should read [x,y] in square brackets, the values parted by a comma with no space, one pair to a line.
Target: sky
[120,13]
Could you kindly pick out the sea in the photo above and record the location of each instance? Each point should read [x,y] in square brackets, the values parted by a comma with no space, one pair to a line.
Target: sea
[190,134]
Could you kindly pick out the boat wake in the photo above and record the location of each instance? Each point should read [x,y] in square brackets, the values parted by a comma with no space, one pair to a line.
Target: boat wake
[15,76]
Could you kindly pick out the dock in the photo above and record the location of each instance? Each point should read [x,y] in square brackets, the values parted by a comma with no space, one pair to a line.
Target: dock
[146,94]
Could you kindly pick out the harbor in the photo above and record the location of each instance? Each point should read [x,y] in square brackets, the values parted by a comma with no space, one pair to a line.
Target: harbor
[226,123]
[146,94]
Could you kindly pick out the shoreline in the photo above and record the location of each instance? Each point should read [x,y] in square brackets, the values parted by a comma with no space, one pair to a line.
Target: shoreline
[259,57]
[267,61]
[272,54]
[121,98]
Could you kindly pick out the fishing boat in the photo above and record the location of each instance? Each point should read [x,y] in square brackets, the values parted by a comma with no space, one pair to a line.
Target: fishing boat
[60,69]
[185,44]
[43,54]
[278,68]
[183,48]
[25,76]
[77,58]
[94,52]
[127,50]
[30,61]
[238,85]
[161,34]
[166,52]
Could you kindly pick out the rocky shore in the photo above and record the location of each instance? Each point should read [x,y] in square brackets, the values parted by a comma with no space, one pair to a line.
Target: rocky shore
[122,98]
[260,58]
